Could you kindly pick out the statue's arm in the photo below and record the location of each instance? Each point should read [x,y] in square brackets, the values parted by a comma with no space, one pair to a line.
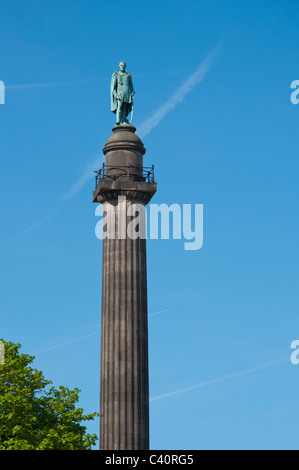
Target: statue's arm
[113,92]
[132,86]
[114,85]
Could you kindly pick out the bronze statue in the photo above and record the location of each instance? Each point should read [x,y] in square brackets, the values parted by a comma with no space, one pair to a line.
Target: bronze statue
[122,92]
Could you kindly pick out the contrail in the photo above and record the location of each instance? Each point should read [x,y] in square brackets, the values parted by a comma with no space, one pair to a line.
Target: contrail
[94,333]
[43,220]
[23,86]
[198,76]
[161,311]
[86,176]
[224,378]
[143,130]
[66,343]
[74,189]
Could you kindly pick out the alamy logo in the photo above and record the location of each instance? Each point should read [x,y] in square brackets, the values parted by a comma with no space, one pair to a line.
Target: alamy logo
[2,93]
[295,354]
[295,94]
[126,219]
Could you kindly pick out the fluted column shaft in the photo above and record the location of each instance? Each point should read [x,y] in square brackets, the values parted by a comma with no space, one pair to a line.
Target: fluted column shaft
[124,404]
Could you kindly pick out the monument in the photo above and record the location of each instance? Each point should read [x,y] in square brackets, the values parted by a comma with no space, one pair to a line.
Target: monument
[122,93]
[124,186]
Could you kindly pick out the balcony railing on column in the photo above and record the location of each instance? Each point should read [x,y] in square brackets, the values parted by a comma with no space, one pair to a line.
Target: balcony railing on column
[145,174]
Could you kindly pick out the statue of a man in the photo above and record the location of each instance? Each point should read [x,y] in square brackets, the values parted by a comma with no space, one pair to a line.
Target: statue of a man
[122,92]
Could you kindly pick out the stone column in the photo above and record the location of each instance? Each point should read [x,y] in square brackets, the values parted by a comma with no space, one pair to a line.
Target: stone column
[124,407]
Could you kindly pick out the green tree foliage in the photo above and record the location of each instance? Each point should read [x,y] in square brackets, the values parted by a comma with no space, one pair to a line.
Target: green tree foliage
[34,415]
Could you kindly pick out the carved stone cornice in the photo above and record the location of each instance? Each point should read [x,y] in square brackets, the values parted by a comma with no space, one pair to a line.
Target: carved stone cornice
[109,191]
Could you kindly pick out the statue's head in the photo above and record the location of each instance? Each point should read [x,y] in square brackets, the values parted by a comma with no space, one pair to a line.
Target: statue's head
[122,66]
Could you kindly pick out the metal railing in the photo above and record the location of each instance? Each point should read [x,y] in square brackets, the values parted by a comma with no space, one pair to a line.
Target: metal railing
[129,171]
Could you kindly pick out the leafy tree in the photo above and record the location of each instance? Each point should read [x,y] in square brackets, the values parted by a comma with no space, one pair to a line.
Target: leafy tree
[34,415]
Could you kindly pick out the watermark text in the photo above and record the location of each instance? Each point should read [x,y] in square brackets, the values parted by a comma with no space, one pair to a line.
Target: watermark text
[128,219]
[2,93]
[295,94]
[295,354]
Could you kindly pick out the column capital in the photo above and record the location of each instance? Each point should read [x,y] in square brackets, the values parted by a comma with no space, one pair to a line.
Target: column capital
[108,191]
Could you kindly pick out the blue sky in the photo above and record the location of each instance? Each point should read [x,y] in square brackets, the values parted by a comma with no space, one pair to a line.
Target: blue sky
[229,311]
